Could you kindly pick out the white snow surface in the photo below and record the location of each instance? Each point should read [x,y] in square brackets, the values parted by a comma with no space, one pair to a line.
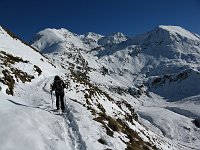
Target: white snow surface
[157,64]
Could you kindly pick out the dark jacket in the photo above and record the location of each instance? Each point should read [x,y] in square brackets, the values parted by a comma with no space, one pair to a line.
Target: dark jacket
[58,86]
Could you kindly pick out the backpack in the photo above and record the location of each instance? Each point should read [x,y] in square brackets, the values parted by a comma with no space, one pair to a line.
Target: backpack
[59,86]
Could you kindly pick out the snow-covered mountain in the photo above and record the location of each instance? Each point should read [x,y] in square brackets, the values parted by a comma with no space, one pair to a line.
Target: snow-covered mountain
[115,38]
[91,39]
[53,40]
[123,92]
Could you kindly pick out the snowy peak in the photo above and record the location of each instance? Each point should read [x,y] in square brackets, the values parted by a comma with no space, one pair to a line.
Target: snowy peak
[114,38]
[168,34]
[91,35]
[90,39]
[179,31]
[168,41]
[56,40]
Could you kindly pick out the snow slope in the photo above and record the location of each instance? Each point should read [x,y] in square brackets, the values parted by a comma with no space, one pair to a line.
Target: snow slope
[25,125]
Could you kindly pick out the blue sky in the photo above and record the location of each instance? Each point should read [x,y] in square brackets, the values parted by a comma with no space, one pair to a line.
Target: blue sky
[131,17]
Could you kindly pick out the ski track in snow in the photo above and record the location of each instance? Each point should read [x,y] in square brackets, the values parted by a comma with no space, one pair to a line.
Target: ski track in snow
[41,100]
[69,123]
[73,130]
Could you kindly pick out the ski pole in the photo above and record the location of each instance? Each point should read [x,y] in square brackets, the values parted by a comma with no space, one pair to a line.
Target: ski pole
[52,99]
